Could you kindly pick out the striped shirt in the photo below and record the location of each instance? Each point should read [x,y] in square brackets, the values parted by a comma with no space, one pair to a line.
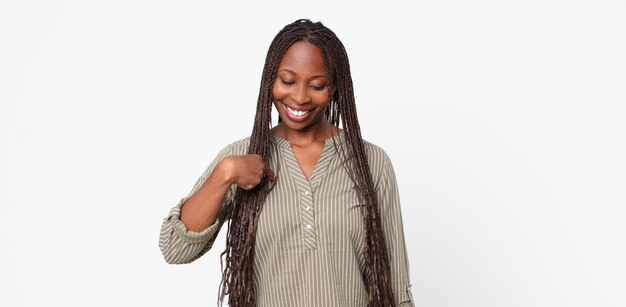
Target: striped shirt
[309,241]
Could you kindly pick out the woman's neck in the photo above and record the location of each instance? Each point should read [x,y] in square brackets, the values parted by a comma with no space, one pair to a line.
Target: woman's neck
[319,133]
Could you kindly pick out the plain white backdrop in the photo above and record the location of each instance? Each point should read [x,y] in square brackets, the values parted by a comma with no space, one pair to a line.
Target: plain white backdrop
[505,121]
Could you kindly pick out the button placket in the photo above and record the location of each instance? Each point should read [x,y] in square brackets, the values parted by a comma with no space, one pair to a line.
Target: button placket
[308,219]
[306,187]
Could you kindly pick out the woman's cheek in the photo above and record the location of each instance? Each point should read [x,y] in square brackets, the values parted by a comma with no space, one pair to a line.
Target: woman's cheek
[278,92]
[275,91]
[321,96]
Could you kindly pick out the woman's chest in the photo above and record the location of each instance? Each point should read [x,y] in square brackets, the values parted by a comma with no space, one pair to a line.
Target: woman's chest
[297,216]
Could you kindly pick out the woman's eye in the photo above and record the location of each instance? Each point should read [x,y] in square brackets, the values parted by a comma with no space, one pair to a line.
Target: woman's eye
[318,87]
[287,82]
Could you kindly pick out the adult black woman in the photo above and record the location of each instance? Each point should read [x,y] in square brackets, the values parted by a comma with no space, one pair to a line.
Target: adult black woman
[313,210]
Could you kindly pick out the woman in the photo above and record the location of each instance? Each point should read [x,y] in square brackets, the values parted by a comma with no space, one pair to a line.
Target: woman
[313,210]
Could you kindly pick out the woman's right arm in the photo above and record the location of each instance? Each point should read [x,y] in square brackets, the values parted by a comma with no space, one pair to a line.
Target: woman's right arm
[193,224]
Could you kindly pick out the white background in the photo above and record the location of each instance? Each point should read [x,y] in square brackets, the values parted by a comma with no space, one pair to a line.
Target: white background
[505,121]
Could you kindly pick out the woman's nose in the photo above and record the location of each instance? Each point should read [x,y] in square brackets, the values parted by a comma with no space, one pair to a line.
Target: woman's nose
[301,95]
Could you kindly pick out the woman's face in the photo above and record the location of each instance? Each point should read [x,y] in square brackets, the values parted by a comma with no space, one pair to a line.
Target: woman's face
[301,90]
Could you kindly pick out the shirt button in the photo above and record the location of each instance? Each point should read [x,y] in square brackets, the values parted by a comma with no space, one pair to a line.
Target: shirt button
[307,192]
[308,226]
[307,208]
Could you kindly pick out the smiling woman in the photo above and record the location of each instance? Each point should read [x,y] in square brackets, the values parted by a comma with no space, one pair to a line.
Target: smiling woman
[313,211]
[300,90]
[301,97]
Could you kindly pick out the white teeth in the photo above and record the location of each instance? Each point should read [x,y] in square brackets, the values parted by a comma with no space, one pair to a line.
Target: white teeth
[296,113]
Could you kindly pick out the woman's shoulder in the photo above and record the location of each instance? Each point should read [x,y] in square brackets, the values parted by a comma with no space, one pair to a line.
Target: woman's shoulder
[238,147]
[375,153]
[379,163]
[378,160]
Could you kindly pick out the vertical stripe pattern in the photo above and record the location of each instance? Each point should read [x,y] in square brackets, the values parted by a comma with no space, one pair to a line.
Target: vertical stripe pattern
[310,237]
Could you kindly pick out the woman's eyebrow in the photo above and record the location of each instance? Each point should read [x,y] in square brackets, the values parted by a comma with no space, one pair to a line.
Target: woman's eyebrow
[292,72]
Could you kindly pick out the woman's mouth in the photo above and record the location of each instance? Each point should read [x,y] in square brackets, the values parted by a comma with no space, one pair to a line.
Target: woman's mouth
[296,115]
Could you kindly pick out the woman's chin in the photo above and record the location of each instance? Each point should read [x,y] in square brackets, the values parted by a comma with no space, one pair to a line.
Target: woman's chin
[302,125]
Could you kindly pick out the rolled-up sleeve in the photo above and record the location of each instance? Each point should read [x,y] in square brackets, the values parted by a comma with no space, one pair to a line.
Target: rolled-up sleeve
[180,245]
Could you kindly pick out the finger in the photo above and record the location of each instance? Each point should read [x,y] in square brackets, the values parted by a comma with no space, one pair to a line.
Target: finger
[269,173]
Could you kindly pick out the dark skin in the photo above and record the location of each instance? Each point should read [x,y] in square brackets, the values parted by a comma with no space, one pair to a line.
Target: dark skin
[300,97]
[301,85]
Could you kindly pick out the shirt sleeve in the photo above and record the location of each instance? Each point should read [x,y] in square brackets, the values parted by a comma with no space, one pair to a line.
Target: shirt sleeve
[180,245]
[391,219]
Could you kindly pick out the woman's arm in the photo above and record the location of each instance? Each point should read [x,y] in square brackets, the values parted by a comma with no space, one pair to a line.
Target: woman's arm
[179,245]
[391,219]
[246,171]
[185,239]
[193,224]
[200,210]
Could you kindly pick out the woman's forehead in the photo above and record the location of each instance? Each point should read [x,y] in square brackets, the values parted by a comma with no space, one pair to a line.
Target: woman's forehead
[303,56]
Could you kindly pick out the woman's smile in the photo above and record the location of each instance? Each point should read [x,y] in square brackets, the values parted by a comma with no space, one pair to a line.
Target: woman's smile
[300,90]
[296,115]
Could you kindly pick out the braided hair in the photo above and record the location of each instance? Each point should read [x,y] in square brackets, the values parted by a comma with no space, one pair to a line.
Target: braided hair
[237,258]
